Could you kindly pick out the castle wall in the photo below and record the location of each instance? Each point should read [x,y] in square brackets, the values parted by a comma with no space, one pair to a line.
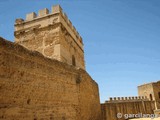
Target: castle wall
[35,87]
[111,109]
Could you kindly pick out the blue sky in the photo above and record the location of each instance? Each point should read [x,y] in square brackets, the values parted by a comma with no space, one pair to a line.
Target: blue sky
[121,38]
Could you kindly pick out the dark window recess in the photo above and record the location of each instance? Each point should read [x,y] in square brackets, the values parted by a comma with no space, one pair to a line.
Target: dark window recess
[73,60]
[151,97]
[159,94]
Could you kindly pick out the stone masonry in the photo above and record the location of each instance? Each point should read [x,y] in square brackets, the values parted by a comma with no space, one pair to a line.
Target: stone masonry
[42,74]
[34,87]
[147,102]
[51,34]
[126,105]
[151,91]
[43,77]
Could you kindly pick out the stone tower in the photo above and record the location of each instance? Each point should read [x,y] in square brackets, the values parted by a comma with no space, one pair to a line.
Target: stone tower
[51,34]
[151,91]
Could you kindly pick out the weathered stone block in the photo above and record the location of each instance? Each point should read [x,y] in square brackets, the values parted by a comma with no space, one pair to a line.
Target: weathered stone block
[31,16]
[49,51]
[56,9]
[43,12]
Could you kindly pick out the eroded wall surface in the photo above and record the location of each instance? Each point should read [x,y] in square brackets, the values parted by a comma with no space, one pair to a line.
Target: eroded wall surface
[33,87]
[110,110]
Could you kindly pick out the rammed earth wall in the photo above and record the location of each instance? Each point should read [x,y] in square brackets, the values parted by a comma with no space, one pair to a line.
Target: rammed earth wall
[33,87]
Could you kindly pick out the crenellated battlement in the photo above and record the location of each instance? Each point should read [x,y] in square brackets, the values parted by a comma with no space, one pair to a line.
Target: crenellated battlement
[42,13]
[121,99]
[52,17]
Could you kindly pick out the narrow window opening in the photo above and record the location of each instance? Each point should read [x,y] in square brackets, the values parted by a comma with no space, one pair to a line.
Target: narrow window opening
[151,97]
[159,95]
[73,60]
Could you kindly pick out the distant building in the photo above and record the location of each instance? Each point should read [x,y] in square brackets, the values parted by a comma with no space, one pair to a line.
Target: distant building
[148,102]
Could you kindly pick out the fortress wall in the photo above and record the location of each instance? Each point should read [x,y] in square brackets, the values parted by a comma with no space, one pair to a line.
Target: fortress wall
[124,99]
[110,110]
[35,87]
[89,98]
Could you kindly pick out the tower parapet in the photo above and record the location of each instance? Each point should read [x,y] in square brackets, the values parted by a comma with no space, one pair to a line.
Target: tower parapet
[52,34]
